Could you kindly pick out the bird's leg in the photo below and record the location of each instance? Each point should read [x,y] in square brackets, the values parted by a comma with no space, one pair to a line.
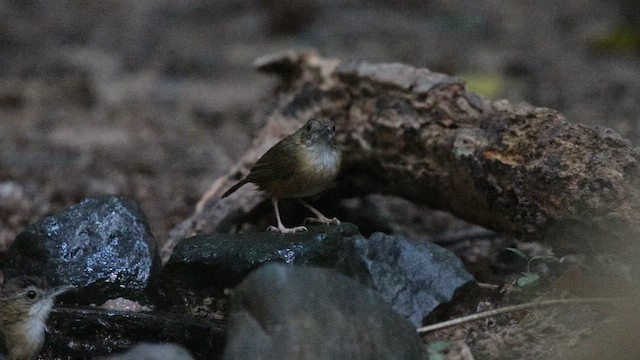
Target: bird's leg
[281,228]
[321,219]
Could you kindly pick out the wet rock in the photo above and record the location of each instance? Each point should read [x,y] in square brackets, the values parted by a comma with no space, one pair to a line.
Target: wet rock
[413,277]
[207,264]
[88,333]
[154,352]
[289,312]
[102,245]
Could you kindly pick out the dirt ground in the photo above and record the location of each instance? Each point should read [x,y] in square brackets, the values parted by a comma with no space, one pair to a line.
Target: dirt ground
[154,99]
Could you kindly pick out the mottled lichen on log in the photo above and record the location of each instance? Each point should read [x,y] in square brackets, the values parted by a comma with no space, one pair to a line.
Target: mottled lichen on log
[420,135]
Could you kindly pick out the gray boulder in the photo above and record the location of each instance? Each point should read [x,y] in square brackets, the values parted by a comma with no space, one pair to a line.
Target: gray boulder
[414,277]
[289,312]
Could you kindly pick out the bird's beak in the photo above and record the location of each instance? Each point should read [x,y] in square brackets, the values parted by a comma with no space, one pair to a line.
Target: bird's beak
[59,290]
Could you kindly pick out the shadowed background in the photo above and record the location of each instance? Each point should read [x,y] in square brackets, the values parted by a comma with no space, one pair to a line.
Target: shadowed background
[153,99]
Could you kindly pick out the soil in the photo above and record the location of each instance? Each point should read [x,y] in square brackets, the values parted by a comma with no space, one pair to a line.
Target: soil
[153,100]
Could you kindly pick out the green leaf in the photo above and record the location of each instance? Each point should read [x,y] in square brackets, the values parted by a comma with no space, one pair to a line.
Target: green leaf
[519,253]
[437,348]
[551,257]
[527,280]
[486,84]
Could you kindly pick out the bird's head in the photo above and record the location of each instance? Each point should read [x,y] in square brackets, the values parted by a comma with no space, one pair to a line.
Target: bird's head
[318,131]
[27,297]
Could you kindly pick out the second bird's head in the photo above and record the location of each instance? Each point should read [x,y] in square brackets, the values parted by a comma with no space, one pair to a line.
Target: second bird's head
[27,297]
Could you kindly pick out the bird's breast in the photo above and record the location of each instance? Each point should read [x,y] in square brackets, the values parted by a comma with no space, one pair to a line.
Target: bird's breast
[324,160]
[321,169]
[317,170]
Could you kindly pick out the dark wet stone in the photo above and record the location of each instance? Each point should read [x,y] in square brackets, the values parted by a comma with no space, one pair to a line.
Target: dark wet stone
[413,277]
[81,333]
[290,312]
[102,245]
[204,265]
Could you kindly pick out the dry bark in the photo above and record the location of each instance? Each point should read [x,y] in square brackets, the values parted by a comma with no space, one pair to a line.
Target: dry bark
[420,135]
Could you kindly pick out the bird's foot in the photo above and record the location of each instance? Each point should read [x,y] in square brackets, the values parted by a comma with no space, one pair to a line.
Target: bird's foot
[322,220]
[286,230]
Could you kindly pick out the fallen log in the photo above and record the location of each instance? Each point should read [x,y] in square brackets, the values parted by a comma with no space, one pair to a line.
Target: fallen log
[421,135]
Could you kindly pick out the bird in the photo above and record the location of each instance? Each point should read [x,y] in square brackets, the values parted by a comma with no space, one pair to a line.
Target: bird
[25,304]
[298,166]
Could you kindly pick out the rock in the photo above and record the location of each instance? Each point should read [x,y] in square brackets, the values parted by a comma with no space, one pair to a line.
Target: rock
[122,304]
[205,265]
[102,245]
[289,312]
[154,352]
[88,333]
[230,257]
[413,277]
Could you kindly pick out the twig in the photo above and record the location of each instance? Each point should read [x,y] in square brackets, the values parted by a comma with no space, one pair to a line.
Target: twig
[475,233]
[514,308]
[487,286]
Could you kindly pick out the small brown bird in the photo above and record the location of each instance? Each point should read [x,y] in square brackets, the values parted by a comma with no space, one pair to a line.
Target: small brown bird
[300,165]
[25,304]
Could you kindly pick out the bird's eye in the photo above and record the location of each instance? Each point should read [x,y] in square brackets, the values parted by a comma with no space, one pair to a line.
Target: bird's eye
[333,128]
[31,294]
[309,127]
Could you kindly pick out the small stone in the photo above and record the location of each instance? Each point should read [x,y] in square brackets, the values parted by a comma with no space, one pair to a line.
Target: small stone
[154,352]
[290,312]
[102,245]
[122,304]
[414,277]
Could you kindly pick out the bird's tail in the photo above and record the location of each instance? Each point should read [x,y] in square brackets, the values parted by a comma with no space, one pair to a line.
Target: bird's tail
[235,187]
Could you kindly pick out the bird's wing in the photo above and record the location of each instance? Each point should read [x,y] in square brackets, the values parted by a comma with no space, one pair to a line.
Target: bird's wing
[278,163]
